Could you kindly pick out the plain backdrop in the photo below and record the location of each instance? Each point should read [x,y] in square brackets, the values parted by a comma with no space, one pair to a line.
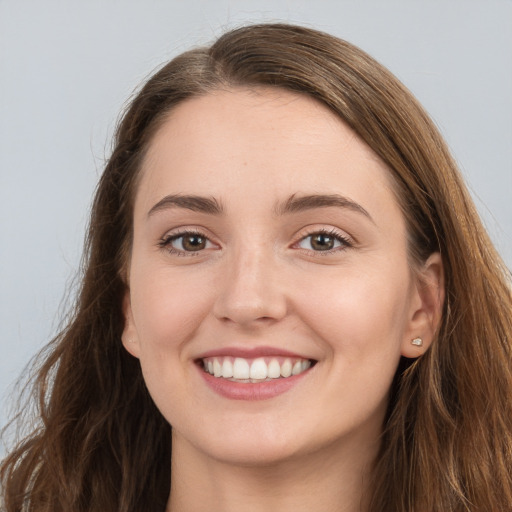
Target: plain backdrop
[68,67]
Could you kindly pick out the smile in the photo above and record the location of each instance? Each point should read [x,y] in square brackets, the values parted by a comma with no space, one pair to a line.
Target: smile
[256,370]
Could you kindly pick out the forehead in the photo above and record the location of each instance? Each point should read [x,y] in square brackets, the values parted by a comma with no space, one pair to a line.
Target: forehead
[265,142]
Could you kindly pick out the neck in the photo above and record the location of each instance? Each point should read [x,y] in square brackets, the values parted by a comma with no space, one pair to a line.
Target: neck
[333,479]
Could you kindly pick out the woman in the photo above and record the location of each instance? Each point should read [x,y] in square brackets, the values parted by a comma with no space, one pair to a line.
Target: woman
[283,264]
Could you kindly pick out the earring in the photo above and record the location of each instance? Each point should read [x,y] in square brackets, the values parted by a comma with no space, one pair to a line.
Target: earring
[418,342]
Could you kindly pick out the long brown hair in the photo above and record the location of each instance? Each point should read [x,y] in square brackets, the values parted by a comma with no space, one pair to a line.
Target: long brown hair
[100,444]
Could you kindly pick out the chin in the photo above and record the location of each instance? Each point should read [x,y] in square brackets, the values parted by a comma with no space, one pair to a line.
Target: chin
[257,455]
[247,446]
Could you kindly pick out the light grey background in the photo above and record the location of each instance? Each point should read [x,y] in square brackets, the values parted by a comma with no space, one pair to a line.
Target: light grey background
[66,69]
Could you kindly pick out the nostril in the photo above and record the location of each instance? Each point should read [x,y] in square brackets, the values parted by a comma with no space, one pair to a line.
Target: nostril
[250,300]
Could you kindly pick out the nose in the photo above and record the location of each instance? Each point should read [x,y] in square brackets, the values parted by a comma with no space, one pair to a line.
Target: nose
[251,290]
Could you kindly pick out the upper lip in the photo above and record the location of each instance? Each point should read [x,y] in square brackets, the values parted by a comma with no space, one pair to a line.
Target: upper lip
[250,353]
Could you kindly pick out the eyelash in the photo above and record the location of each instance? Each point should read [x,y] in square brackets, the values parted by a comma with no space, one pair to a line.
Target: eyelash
[167,240]
[345,242]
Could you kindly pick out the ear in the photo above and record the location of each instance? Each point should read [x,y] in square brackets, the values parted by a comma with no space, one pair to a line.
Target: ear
[129,337]
[426,307]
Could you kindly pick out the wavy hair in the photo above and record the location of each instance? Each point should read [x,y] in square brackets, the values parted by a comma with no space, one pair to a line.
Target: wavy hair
[101,445]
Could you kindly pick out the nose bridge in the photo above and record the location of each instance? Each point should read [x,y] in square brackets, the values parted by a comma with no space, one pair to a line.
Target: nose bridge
[251,289]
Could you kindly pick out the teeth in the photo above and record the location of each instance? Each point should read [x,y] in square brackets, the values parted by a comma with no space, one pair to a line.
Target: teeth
[274,369]
[286,368]
[297,368]
[227,368]
[305,364]
[254,370]
[217,368]
[240,368]
[259,369]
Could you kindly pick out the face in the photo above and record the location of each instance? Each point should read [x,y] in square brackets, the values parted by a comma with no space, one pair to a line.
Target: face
[270,296]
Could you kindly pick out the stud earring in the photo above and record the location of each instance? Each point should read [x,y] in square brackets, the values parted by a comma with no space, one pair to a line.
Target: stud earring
[418,342]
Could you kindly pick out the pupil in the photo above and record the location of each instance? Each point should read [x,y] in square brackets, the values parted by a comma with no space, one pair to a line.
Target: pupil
[322,242]
[193,243]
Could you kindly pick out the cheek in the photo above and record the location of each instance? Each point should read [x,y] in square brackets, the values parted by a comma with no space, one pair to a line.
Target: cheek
[166,310]
[167,314]
[358,315]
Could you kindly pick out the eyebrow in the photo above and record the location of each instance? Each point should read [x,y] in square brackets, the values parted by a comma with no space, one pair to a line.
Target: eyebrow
[199,204]
[303,203]
[293,204]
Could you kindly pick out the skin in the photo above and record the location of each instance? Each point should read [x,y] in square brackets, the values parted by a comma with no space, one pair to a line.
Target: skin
[259,281]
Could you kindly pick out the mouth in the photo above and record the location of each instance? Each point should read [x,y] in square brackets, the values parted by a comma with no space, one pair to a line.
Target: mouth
[254,370]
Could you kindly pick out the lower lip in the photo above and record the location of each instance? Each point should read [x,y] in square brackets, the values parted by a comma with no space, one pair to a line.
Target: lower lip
[248,391]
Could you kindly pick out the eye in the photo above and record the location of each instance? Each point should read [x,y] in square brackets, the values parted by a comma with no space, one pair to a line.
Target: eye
[323,241]
[187,242]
